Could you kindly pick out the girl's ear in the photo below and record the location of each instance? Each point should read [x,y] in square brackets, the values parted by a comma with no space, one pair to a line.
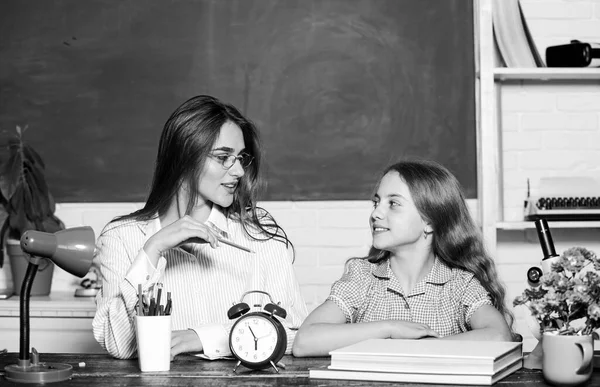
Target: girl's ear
[427,228]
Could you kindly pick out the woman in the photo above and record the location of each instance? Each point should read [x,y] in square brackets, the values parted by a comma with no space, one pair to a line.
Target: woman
[427,273]
[204,186]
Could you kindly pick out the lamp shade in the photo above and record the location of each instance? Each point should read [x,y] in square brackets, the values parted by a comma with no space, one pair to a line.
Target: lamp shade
[72,249]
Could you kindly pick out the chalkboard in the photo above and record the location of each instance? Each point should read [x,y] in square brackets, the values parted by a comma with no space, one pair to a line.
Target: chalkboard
[338,88]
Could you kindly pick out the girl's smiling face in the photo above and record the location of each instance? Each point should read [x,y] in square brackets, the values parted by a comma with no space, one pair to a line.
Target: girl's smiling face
[395,220]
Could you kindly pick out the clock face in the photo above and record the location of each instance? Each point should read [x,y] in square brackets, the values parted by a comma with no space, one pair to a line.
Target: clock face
[254,339]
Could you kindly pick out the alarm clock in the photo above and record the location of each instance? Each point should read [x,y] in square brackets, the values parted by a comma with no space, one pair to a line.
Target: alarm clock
[257,339]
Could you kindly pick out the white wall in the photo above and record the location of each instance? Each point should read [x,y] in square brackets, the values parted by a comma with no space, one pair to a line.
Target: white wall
[548,129]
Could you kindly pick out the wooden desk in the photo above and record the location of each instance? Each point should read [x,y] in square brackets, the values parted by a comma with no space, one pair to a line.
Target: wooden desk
[187,370]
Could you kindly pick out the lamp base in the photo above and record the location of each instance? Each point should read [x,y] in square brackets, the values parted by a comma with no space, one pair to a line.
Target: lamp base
[38,373]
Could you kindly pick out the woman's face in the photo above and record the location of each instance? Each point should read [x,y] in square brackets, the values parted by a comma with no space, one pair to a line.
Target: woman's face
[217,184]
[395,220]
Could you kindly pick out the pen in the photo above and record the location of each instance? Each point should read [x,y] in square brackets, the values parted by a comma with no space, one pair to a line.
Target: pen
[228,242]
[158,296]
[140,310]
[168,305]
[152,308]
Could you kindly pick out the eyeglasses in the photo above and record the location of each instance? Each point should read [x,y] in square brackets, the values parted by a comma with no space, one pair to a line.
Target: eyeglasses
[227,160]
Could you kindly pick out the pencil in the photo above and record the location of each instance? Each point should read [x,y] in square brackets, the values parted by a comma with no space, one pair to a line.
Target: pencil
[228,242]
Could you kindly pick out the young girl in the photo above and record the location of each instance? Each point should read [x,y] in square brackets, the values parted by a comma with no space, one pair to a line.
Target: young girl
[426,275]
[205,180]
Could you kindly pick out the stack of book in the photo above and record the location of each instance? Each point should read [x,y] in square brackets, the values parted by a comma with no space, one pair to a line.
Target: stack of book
[424,361]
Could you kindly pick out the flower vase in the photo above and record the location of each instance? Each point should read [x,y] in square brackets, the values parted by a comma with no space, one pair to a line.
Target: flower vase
[567,359]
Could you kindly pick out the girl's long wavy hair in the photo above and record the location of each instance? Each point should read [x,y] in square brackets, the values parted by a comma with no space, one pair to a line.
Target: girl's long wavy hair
[457,240]
[188,137]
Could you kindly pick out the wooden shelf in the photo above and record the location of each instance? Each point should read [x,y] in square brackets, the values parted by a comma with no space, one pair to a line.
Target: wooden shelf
[546,73]
[552,224]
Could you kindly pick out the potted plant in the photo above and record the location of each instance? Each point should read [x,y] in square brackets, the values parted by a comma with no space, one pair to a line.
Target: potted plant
[567,307]
[28,204]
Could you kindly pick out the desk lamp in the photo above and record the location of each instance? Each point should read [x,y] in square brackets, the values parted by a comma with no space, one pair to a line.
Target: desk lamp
[72,250]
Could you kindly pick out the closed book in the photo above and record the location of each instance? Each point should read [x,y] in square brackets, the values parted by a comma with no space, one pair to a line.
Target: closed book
[434,356]
[408,377]
[512,35]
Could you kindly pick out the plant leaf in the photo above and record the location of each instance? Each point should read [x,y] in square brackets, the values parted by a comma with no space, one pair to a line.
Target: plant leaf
[10,174]
[24,191]
[33,156]
[17,216]
[52,224]
[4,186]
[35,181]
[39,206]
[28,204]
[52,203]
[3,236]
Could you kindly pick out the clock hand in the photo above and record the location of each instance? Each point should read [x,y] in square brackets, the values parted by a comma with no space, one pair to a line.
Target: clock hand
[251,331]
[269,333]
[255,339]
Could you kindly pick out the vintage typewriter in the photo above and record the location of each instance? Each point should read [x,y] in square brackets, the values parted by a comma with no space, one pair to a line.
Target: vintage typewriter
[564,198]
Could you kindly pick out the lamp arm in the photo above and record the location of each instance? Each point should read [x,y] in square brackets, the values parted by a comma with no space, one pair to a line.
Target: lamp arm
[24,305]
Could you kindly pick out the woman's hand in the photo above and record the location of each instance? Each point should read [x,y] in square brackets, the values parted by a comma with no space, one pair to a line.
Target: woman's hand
[184,341]
[400,329]
[183,230]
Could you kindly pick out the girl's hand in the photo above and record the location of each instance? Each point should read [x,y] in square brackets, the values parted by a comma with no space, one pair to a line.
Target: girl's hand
[400,329]
[184,341]
[183,230]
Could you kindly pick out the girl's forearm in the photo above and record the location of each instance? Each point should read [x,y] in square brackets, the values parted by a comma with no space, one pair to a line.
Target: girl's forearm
[320,338]
[482,334]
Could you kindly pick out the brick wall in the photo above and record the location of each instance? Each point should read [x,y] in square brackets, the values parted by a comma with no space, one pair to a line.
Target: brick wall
[548,129]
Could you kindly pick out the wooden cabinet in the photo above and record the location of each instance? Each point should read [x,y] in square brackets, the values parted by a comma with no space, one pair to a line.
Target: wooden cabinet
[59,323]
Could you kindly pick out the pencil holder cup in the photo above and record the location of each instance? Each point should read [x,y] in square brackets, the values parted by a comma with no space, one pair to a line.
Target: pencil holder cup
[153,335]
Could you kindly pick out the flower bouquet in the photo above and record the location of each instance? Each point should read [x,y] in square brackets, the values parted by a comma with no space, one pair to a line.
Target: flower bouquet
[568,300]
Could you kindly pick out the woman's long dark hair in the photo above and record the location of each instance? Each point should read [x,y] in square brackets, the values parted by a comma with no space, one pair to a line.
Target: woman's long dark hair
[457,240]
[187,138]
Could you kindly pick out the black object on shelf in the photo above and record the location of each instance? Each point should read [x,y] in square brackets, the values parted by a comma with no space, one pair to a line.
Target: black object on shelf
[574,54]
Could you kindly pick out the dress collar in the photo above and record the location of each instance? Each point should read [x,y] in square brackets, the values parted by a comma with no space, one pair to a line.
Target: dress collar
[440,273]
